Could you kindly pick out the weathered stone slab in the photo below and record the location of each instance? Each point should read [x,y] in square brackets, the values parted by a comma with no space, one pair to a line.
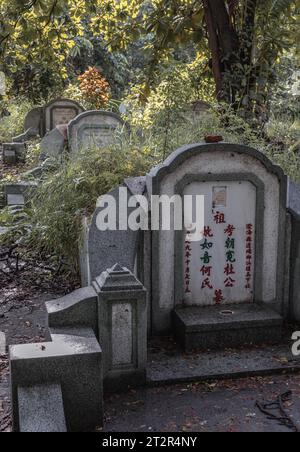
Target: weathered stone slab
[74,362]
[93,129]
[78,309]
[26,136]
[220,327]
[9,156]
[19,194]
[53,144]
[41,409]
[15,200]
[113,246]
[33,120]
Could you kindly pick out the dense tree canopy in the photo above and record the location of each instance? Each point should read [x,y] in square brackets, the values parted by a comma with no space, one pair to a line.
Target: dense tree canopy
[242,41]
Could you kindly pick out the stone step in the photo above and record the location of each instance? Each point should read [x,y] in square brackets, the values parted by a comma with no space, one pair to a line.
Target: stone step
[218,327]
[41,409]
[167,364]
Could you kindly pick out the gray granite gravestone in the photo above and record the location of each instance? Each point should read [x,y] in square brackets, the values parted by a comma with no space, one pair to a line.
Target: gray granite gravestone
[93,129]
[33,120]
[59,112]
[41,120]
[32,126]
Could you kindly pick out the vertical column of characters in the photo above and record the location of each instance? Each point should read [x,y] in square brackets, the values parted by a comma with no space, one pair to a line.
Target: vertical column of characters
[219,219]
[206,258]
[229,270]
[187,263]
[249,255]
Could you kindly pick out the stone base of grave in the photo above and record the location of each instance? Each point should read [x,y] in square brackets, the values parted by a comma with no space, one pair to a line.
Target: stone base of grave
[168,365]
[218,327]
[57,385]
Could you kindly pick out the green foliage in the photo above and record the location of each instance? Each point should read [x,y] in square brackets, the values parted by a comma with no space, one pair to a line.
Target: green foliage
[53,225]
[67,195]
[13,125]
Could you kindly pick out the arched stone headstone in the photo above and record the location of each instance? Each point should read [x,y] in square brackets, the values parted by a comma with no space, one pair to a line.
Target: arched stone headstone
[59,112]
[93,129]
[243,254]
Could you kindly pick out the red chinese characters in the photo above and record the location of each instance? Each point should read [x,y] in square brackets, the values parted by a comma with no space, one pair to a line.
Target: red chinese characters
[187,273]
[229,270]
[206,257]
[249,255]
[219,218]
[219,296]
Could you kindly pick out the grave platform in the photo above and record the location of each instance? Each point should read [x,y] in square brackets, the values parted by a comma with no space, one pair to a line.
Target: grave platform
[218,327]
[167,364]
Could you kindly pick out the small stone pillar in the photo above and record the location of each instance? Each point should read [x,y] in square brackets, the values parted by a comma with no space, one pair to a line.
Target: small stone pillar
[122,310]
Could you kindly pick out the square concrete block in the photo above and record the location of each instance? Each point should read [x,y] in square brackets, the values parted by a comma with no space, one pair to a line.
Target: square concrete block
[73,362]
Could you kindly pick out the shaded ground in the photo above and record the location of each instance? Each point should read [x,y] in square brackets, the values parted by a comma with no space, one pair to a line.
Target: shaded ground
[23,318]
[228,406]
[215,407]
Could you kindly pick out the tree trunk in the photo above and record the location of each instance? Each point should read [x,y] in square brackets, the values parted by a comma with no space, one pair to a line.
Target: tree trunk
[214,47]
[224,46]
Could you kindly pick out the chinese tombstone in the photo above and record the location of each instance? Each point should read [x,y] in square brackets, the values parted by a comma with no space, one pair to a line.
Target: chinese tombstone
[42,120]
[93,129]
[233,286]
[244,249]
[59,112]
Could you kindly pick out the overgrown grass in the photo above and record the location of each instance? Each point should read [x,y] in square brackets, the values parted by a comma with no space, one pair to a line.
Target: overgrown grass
[13,125]
[70,193]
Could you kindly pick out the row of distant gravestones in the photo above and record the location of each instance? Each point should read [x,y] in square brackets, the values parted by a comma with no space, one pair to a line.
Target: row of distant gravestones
[63,121]
[61,124]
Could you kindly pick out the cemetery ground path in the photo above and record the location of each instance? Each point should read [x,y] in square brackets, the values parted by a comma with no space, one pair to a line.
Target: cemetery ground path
[213,407]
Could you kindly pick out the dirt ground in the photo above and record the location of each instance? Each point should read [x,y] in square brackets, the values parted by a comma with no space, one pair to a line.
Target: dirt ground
[224,406]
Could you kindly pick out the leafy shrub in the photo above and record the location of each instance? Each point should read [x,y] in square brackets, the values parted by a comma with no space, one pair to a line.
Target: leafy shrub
[94,88]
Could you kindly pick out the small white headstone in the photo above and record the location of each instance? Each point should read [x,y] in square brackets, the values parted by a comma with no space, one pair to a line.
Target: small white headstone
[15,200]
